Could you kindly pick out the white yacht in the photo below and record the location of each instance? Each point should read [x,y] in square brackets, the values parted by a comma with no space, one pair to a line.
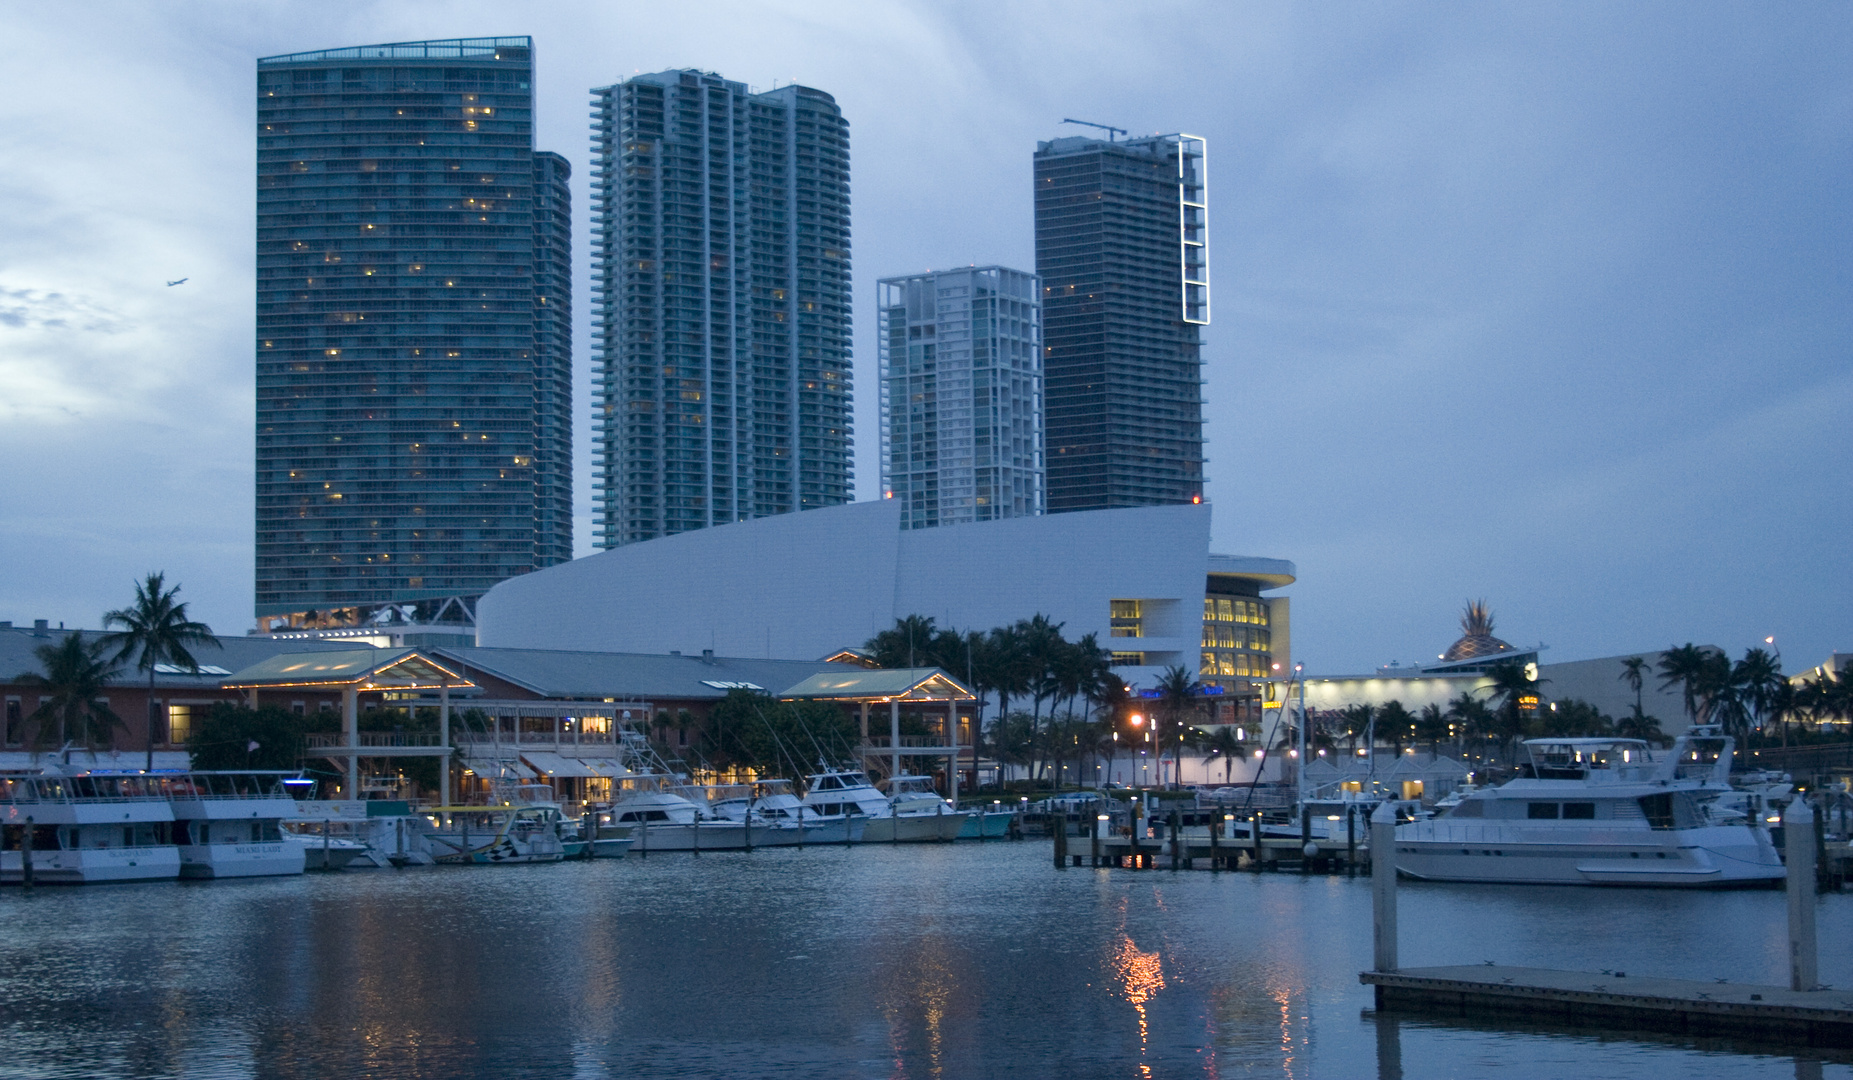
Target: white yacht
[337,833]
[912,813]
[87,828]
[779,819]
[229,824]
[662,820]
[1599,811]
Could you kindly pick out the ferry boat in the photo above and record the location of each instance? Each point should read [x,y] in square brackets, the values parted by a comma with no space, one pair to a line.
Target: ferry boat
[229,824]
[911,813]
[1599,811]
[86,828]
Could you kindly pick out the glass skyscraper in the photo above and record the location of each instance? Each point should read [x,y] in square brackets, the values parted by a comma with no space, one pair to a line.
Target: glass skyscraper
[961,395]
[414,366]
[1120,247]
[721,282]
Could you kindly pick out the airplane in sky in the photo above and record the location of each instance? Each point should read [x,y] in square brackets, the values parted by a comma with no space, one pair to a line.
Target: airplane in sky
[171,284]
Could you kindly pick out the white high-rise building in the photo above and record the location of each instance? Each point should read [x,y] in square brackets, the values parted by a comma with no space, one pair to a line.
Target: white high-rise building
[961,395]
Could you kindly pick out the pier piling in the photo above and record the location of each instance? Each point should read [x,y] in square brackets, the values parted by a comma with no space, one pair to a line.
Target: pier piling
[1383,886]
[25,855]
[1797,828]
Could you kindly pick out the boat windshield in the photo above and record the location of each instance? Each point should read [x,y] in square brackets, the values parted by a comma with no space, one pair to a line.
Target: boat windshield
[1588,759]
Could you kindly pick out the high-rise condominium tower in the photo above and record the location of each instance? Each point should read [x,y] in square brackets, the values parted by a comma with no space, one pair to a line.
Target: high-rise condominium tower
[721,270]
[1120,234]
[414,398]
[961,395]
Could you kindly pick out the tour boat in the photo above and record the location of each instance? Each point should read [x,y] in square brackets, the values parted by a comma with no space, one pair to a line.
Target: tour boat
[229,824]
[1599,811]
[86,828]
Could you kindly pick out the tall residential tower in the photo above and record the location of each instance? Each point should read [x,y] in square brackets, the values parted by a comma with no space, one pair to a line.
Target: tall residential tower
[1120,247]
[961,395]
[721,279]
[414,398]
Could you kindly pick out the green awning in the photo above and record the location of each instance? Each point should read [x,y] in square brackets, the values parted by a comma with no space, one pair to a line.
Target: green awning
[882,684]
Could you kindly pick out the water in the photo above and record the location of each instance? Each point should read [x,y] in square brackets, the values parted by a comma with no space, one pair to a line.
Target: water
[950,962]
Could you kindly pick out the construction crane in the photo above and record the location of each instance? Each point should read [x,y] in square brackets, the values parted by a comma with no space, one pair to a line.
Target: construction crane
[1109,129]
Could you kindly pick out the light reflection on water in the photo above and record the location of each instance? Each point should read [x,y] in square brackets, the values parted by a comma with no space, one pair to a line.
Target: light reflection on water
[910,962]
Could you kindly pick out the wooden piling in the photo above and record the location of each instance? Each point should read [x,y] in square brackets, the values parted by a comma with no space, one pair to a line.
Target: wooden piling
[25,855]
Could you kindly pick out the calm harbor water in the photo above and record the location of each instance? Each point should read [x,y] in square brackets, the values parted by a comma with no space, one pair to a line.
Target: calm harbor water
[924,962]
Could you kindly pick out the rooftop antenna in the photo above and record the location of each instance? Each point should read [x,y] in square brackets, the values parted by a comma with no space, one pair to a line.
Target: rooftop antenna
[1104,127]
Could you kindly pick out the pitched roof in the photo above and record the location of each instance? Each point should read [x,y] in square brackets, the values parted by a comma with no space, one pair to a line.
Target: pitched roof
[882,684]
[364,669]
[570,674]
[216,664]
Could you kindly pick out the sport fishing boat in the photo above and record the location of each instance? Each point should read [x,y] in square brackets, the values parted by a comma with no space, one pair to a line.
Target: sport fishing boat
[912,813]
[524,825]
[1599,811]
[86,828]
[363,833]
[779,819]
[662,820]
[229,824]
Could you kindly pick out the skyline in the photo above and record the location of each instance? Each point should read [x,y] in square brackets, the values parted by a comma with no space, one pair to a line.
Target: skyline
[1545,306]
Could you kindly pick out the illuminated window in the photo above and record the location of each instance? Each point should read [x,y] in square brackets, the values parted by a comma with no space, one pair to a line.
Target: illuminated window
[1127,620]
[179,724]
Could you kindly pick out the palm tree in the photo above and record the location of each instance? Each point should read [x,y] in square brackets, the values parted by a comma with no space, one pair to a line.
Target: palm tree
[1633,670]
[1431,727]
[1395,719]
[1640,726]
[157,628]
[1354,721]
[1757,677]
[1471,717]
[75,674]
[1686,666]
[1178,696]
[1225,743]
[1516,692]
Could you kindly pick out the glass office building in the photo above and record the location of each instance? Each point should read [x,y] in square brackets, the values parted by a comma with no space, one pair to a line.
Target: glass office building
[1121,250]
[414,397]
[961,395]
[721,288]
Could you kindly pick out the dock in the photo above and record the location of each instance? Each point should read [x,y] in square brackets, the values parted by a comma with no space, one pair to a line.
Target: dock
[1617,999]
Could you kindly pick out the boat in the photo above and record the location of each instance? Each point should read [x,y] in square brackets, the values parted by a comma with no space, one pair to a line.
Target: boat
[229,824]
[779,819]
[87,828]
[1599,811]
[986,824]
[524,825]
[362,833]
[660,819]
[910,813]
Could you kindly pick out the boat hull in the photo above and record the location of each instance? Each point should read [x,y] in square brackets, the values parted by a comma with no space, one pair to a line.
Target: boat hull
[986,824]
[914,828]
[1712,857]
[275,858]
[93,866]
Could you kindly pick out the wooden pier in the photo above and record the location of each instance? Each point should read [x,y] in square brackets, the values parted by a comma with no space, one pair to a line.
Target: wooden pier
[1616,999]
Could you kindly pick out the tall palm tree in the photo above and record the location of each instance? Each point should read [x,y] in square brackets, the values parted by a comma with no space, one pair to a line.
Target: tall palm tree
[1179,697]
[1511,688]
[75,674]
[1397,723]
[1431,727]
[1471,718]
[157,628]
[1633,670]
[1757,677]
[1354,721]
[1686,666]
[1225,743]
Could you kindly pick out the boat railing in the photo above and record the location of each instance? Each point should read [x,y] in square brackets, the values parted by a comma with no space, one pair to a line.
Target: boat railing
[22,790]
[381,739]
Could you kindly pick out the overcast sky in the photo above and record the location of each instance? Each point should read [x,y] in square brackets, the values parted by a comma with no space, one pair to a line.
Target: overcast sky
[1543,304]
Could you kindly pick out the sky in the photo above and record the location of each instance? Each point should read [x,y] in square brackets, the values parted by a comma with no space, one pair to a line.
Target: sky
[1542,304]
